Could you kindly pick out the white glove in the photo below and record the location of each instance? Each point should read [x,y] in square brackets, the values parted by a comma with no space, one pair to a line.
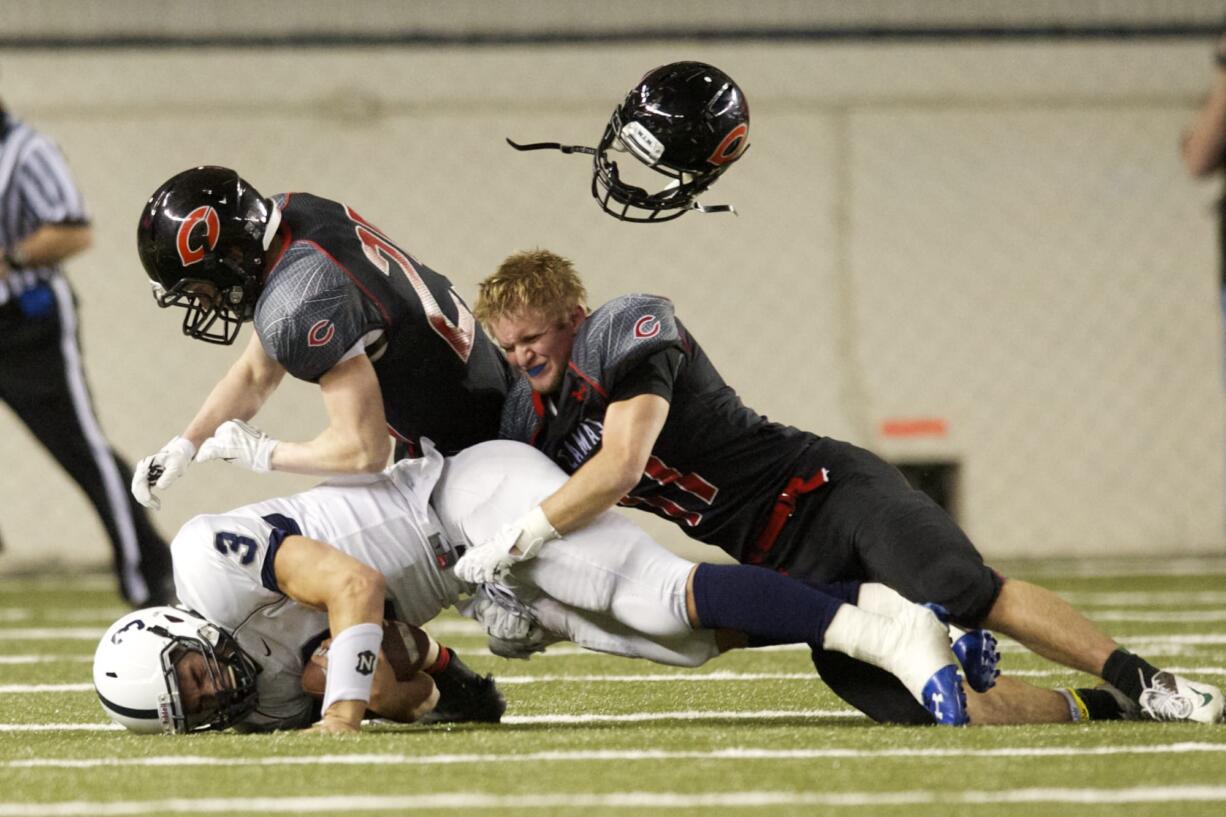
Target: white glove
[492,560]
[501,615]
[239,443]
[160,470]
[512,629]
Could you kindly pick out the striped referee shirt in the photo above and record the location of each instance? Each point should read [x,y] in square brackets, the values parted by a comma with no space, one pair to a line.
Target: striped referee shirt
[35,189]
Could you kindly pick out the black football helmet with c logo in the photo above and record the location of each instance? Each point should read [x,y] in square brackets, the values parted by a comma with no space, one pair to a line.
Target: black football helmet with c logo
[688,121]
[202,239]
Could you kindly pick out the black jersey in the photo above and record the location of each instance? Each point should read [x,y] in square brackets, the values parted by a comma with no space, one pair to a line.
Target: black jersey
[338,282]
[717,467]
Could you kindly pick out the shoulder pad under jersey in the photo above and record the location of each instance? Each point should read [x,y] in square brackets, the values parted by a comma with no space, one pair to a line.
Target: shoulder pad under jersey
[218,561]
[520,417]
[310,314]
[621,334]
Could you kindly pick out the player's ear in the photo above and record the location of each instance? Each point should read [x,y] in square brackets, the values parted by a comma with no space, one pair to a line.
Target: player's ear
[577,316]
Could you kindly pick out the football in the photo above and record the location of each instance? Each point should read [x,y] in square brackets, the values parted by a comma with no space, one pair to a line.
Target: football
[403,652]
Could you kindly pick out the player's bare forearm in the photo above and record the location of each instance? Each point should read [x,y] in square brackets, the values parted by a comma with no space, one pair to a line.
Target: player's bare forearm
[318,575]
[333,453]
[592,490]
[631,428]
[356,439]
[239,394]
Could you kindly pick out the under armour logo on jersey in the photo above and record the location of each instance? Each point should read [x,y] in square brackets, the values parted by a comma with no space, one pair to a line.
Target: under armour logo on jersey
[320,333]
[731,146]
[366,662]
[192,253]
[646,327]
[579,394]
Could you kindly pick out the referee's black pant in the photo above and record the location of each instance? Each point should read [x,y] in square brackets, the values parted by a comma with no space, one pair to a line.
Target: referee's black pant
[43,381]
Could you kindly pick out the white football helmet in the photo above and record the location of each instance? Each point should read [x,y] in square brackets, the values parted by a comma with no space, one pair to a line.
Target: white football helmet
[136,672]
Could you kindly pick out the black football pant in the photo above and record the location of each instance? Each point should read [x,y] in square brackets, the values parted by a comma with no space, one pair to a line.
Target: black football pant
[43,382]
[868,524]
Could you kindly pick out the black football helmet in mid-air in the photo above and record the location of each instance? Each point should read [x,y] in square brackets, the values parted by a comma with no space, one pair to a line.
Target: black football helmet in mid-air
[202,239]
[687,121]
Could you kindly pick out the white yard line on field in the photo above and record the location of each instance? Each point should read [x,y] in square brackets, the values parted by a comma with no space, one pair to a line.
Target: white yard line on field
[611,755]
[559,719]
[632,800]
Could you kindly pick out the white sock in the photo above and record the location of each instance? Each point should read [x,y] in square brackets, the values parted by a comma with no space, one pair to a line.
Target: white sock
[878,598]
[863,635]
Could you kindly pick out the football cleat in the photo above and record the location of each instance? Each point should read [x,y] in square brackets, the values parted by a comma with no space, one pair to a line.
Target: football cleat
[465,696]
[945,698]
[923,661]
[979,655]
[1172,698]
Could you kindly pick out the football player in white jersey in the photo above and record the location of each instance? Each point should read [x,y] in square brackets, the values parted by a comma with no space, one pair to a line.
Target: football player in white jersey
[264,581]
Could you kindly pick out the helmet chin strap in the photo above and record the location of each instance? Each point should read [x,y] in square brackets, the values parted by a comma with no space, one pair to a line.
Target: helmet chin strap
[553,146]
[713,208]
[694,205]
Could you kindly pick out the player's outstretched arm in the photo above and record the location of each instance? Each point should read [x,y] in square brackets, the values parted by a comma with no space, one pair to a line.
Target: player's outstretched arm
[356,439]
[630,431]
[239,394]
[320,576]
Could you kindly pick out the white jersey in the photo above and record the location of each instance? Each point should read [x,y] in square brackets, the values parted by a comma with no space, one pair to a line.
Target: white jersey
[224,569]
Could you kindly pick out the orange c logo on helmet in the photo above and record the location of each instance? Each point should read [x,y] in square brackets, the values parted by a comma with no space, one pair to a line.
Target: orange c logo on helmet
[190,253]
[731,146]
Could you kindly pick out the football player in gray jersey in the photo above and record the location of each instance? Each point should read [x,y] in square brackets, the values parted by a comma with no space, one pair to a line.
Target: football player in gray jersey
[335,302]
[625,399]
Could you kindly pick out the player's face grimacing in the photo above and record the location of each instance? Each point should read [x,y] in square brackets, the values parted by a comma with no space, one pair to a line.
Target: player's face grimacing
[197,688]
[538,345]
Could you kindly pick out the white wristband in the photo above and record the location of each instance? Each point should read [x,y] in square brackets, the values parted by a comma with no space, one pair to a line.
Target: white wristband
[351,664]
[535,530]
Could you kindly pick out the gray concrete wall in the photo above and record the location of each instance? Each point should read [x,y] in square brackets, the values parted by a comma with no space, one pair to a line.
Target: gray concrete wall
[996,235]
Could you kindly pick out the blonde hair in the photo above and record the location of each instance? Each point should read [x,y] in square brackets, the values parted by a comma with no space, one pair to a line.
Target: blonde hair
[531,280]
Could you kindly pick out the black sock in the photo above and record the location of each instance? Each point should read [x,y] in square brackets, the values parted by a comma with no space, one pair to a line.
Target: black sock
[1128,673]
[1100,705]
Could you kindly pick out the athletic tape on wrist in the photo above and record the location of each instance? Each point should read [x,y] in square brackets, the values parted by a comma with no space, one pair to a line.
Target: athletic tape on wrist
[535,529]
[351,664]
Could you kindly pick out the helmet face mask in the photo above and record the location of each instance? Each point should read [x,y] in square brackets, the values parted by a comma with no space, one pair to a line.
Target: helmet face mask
[207,226]
[624,195]
[206,308]
[166,670]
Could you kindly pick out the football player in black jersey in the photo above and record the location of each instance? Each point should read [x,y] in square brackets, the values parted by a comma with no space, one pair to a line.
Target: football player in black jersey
[625,399]
[334,301]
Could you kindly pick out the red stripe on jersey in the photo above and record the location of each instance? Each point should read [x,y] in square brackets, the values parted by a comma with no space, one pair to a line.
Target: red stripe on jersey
[665,506]
[690,483]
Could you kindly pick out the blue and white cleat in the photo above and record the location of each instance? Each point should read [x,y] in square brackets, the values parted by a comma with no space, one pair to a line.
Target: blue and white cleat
[925,663]
[945,698]
[979,655]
